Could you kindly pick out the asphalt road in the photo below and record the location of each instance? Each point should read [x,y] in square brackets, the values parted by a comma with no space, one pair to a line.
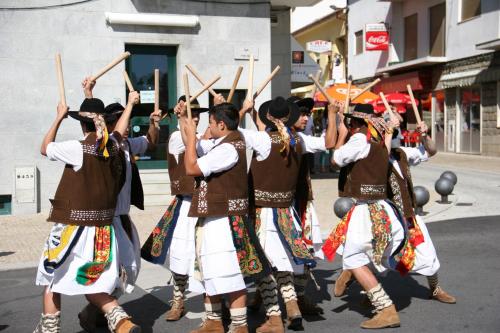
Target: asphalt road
[470,269]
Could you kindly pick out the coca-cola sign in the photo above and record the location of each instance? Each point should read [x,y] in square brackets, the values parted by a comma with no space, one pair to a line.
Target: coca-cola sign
[376,37]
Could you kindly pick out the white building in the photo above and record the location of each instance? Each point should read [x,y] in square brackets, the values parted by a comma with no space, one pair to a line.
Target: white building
[215,37]
[446,50]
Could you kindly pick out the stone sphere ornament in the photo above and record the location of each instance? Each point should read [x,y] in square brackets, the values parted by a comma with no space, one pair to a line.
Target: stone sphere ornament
[342,206]
[451,176]
[422,197]
[444,187]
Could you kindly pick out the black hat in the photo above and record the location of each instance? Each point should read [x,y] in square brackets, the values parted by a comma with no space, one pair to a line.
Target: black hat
[362,111]
[195,105]
[302,102]
[281,109]
[91,105]
[112,112]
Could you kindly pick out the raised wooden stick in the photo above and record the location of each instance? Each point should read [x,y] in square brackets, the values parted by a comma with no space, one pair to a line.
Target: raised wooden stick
[413,104]
[320,88]
[195,96]
[313,91]
[198,77]
[266,81]
[235,83]
[347,97]
[365,89]
[388,107]
[188,98]
[157,90]
[60,80]
[250,78]
[205,87]
[128,82]
[112,64]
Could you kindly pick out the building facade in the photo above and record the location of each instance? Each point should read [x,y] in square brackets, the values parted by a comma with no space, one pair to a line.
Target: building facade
[215,37]
[447,51]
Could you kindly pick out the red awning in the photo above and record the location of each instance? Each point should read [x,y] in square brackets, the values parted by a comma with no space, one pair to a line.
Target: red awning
[419,80]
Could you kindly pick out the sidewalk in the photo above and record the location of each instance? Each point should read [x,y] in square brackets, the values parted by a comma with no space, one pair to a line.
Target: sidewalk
[22,237]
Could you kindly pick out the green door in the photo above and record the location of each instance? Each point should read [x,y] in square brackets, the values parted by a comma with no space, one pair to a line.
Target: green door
[140,66]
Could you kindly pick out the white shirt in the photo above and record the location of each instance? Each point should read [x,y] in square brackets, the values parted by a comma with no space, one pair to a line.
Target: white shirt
[258,141]
[138,145]
[312,144]
[355,149]
[176,145]
[415,156]
[220,158]
[69,152]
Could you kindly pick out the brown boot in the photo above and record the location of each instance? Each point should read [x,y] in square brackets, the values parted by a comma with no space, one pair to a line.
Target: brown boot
[255,303]
[127,326]
[343,281]
[294,316]
[442,296]
[210,326]
[176,311]
[387,317]
[308,308]
[274,324]
[238,329]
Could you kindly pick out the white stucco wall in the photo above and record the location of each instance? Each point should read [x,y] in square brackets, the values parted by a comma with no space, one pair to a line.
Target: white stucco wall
[29,40]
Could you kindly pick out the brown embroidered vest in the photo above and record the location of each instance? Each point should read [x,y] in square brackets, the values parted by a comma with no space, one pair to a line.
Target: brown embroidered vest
[224,193]
[401,187]
[366,179]
[180,183]
[274,179]
[304,187]
[88,196]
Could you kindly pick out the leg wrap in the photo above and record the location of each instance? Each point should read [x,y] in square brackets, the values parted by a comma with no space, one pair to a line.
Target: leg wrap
[269,292]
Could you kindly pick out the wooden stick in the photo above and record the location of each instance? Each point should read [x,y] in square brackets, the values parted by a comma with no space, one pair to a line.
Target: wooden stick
[388,107]
[320,88]
[235,83]
[205,88]
[250,78]
[365,89]
[347,97]
[157,90]
[128,82]
[198,77]
[413,104]
[266,81]
[112,64]
[188,98]
[60,80]
[313,91]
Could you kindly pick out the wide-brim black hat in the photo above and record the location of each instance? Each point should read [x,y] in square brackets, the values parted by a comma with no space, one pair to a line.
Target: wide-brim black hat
[302,102]
[90,105]
[279,108]
[362,111]
[195,105]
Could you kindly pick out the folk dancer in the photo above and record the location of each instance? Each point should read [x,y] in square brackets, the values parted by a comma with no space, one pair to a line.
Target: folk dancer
[81,255]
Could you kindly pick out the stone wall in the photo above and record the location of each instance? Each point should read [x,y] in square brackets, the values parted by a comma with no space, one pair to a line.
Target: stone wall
[491,134]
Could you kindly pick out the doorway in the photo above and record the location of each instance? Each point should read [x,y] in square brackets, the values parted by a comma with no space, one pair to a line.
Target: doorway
[469,120]
[144,59]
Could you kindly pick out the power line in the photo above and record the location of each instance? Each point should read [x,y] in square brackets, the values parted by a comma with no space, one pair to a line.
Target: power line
[48,6]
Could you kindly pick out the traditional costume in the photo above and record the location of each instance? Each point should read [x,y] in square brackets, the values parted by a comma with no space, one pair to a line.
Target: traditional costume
[82,253]
[371,233]
[274,183]
[175,232]
[223,235]
[131,194]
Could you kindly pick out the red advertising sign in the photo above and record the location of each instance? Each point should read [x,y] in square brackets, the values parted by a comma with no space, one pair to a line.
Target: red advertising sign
[376,37]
